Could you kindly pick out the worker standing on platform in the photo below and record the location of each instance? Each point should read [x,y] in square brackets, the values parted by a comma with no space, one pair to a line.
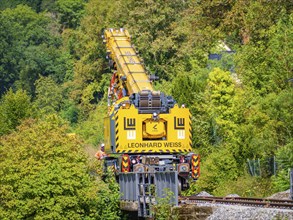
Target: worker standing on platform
[101,153]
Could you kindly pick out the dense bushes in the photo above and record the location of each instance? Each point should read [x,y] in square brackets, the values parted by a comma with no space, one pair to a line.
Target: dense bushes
[44,175]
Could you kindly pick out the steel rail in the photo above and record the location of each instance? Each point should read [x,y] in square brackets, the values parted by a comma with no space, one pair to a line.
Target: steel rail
[246,201]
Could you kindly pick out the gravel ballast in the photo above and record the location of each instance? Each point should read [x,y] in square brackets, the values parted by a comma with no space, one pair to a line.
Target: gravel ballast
[232,212]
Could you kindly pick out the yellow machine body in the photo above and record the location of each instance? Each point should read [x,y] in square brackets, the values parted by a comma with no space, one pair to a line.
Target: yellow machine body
[135,132]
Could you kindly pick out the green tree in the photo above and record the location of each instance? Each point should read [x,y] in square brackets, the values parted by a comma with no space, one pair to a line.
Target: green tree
[92,129]
[187,95]
[264,68]
[48,95]
[220,103]
[245,22]
[151,23]
[219,168]
[108,206]
[14,107]
[38,61]
[28,49]
[19,27]
[44,175]
[36,5]
[70,111]
[70,12]
[284,156]
[195,34]
[86,46]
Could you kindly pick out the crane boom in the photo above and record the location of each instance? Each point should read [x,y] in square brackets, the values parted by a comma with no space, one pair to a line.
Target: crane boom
[126,61]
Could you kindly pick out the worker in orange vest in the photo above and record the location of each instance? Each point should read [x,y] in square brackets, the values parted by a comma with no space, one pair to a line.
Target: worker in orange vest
[101,153]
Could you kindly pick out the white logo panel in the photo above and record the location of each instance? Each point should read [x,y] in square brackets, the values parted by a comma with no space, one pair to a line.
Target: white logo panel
[131,135]
[181,134]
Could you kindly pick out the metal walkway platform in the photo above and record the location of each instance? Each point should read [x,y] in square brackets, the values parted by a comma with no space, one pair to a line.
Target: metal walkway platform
[142,190]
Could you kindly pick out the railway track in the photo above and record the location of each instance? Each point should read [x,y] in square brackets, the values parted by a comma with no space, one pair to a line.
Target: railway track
[243,201]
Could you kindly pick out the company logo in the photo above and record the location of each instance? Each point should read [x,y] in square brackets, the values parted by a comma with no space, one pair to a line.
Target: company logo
[129,123]
[179,123]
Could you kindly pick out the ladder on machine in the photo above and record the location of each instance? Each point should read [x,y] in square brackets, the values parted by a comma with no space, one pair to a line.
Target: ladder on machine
[146,195]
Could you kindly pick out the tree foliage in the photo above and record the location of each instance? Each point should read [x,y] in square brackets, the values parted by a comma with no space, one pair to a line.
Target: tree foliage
[44,175]
[284,157]
[70,12]
[92,129]
[152,23]
[219,168]
[35,4]
[48,95]
[14,107]
[28,49]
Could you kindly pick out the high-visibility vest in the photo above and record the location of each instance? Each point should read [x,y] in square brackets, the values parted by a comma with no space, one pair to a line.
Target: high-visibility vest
[100,155]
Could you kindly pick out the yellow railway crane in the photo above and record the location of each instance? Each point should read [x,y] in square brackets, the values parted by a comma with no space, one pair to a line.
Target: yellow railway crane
[144,127]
